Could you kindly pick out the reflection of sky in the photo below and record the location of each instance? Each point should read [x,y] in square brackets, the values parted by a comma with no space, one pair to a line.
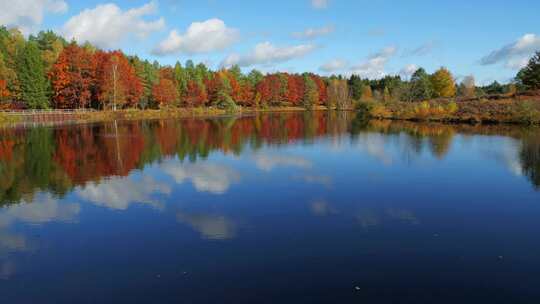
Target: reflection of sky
[41,209]
[319,200]
[504,151]
[210,226]
[269,161]
[119,192]
[205,177]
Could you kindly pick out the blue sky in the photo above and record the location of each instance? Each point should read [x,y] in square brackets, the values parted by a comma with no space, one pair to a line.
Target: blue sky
[488,39]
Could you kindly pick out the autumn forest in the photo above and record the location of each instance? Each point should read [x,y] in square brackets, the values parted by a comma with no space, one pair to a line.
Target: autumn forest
[45,71]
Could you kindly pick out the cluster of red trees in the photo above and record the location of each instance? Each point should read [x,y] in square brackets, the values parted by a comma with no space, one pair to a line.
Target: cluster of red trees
[83,78]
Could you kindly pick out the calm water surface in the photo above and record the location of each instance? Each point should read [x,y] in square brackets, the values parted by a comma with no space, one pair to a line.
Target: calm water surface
[281,208]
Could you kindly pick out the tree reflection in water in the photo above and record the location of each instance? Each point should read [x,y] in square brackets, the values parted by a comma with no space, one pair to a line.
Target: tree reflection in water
[56,160]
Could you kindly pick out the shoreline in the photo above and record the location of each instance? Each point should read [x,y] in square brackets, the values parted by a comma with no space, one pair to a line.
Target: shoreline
[487,112]
[81,117]
[484,112]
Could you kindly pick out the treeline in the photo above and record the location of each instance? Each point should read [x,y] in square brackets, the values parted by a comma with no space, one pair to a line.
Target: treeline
[46,71]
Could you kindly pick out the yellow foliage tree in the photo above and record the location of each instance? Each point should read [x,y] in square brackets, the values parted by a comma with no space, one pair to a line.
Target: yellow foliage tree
[367,94]
[443,83]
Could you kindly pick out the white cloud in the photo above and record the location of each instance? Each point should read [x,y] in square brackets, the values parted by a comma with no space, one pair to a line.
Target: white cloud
[517,63]
[333,65]
[28,14]
[119,193]
[267,53]
[200,37]
[408,70]
[515,55]
[267,162]
[107,26]
[319,4]
[374,66]
[312,33]
[205,177]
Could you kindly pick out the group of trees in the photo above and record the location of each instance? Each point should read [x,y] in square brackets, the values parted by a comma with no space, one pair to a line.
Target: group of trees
[45,71]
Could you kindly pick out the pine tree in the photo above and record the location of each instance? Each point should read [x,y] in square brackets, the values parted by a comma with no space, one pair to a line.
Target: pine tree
[421,88]
[31,74]
[529,76]
[356,85]
[311,93]
[181,79]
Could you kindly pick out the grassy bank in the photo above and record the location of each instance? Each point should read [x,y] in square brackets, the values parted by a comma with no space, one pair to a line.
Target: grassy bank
[136,114]
[477,111]
[7,119]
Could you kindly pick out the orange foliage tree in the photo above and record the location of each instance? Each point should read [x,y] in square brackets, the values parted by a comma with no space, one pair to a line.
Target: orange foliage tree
[164,92]
[196,94]
[72,78]
[4,92]
[321,87]
[117,84]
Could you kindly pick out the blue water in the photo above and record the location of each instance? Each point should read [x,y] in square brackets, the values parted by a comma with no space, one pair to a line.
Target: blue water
[282,208]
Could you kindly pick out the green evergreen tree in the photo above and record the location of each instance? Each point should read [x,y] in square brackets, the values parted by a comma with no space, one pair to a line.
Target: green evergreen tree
[311,93]
[357,86]
[254,77]
[31,73]
[529,76]
[421,88]
[494,88]
[181,79]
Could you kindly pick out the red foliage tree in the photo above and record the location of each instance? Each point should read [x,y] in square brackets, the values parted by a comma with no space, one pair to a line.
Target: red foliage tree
[213,86]
[4,92]
[164,92]
[167,73]
[196,94]
[270,89]
[116,80]
[236,90]
[72,78]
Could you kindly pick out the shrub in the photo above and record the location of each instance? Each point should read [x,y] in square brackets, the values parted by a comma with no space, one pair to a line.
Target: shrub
[528,113]
[452,107]
[226,103]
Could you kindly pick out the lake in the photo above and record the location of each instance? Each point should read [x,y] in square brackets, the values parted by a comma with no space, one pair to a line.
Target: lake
[321,207]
